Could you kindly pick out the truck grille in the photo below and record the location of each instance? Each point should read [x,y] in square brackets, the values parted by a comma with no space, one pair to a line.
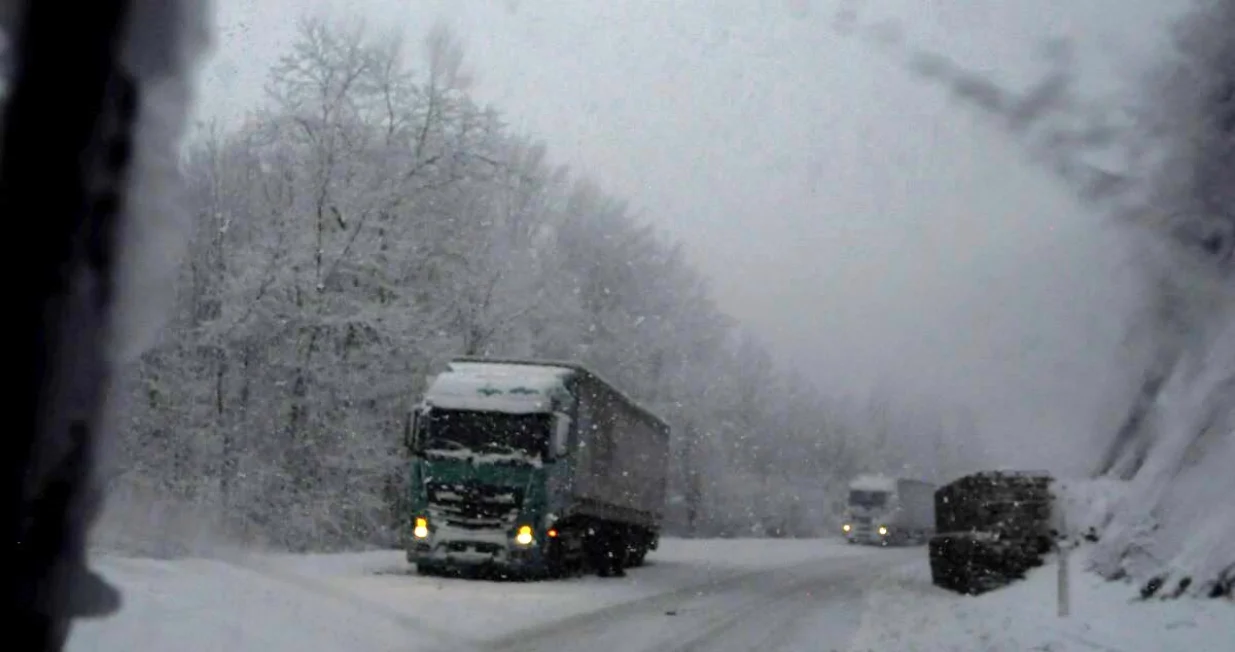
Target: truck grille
[474,506]
[863,528]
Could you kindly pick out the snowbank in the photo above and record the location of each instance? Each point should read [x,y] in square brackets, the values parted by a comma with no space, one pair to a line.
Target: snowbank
[1087,504]
[904,612]
[140,520]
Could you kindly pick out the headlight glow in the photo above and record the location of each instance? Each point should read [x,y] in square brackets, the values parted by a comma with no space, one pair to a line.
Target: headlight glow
[883,530]
[421,530]
[524,536]
[846,527]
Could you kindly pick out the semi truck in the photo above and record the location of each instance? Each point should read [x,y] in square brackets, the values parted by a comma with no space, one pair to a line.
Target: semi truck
[531,467]
[883,510]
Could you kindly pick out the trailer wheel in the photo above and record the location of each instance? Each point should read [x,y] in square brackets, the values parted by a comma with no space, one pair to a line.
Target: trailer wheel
[617,554]
[608,550]
[554,564]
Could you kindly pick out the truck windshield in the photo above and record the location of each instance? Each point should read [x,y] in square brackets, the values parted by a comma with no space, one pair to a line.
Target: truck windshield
[862,498]
[484,432]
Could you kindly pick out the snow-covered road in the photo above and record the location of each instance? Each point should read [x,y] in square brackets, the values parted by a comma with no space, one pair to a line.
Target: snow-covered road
[373,601]
[814,596]
[815,606]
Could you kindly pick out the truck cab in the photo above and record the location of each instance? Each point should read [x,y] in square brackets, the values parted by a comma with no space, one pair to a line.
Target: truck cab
[485,445]
[531,467]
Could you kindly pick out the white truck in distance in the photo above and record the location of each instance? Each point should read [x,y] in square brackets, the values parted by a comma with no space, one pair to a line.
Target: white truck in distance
[885,510]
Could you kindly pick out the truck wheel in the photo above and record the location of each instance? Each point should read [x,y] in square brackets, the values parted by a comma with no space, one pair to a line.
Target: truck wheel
[554,568]
[575,565]
[596,549]
[619,558]
[615,552]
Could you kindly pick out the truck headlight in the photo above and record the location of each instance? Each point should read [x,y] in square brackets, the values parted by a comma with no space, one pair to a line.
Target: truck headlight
[524,536]
[883,530]
[421,529]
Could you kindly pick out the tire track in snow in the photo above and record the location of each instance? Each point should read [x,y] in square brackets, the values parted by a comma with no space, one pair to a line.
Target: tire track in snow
[579,626]
[733,608]
[783,606]
[323,588]
[771,622]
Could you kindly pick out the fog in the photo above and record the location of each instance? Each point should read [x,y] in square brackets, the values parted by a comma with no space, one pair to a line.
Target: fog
[875,234]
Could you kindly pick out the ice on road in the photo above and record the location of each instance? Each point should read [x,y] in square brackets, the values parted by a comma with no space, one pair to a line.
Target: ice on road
[810,595]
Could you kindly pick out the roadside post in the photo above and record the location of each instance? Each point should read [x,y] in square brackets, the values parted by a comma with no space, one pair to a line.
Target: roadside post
[1061,547]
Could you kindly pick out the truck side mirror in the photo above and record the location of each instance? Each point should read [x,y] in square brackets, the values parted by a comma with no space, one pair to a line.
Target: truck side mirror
[561,431]
[410,428]
[407,431]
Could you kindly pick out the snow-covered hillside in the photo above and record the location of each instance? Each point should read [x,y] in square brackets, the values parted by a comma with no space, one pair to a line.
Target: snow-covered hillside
[1178,447]
[1174,522]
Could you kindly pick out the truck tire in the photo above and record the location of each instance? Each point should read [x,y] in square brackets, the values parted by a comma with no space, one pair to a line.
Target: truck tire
[607,548]
[617,553]
[555,566]
[596,549]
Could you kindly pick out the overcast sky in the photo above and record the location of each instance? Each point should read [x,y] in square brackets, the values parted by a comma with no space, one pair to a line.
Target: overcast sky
[870,230]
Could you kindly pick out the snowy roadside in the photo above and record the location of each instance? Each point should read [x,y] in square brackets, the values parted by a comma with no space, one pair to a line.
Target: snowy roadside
[905,612]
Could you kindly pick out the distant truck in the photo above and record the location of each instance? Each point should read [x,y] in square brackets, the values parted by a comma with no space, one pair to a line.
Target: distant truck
[886,510]
[532,467]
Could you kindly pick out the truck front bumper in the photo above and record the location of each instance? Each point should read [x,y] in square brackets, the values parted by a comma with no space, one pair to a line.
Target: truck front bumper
[473,555]
[866,536]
